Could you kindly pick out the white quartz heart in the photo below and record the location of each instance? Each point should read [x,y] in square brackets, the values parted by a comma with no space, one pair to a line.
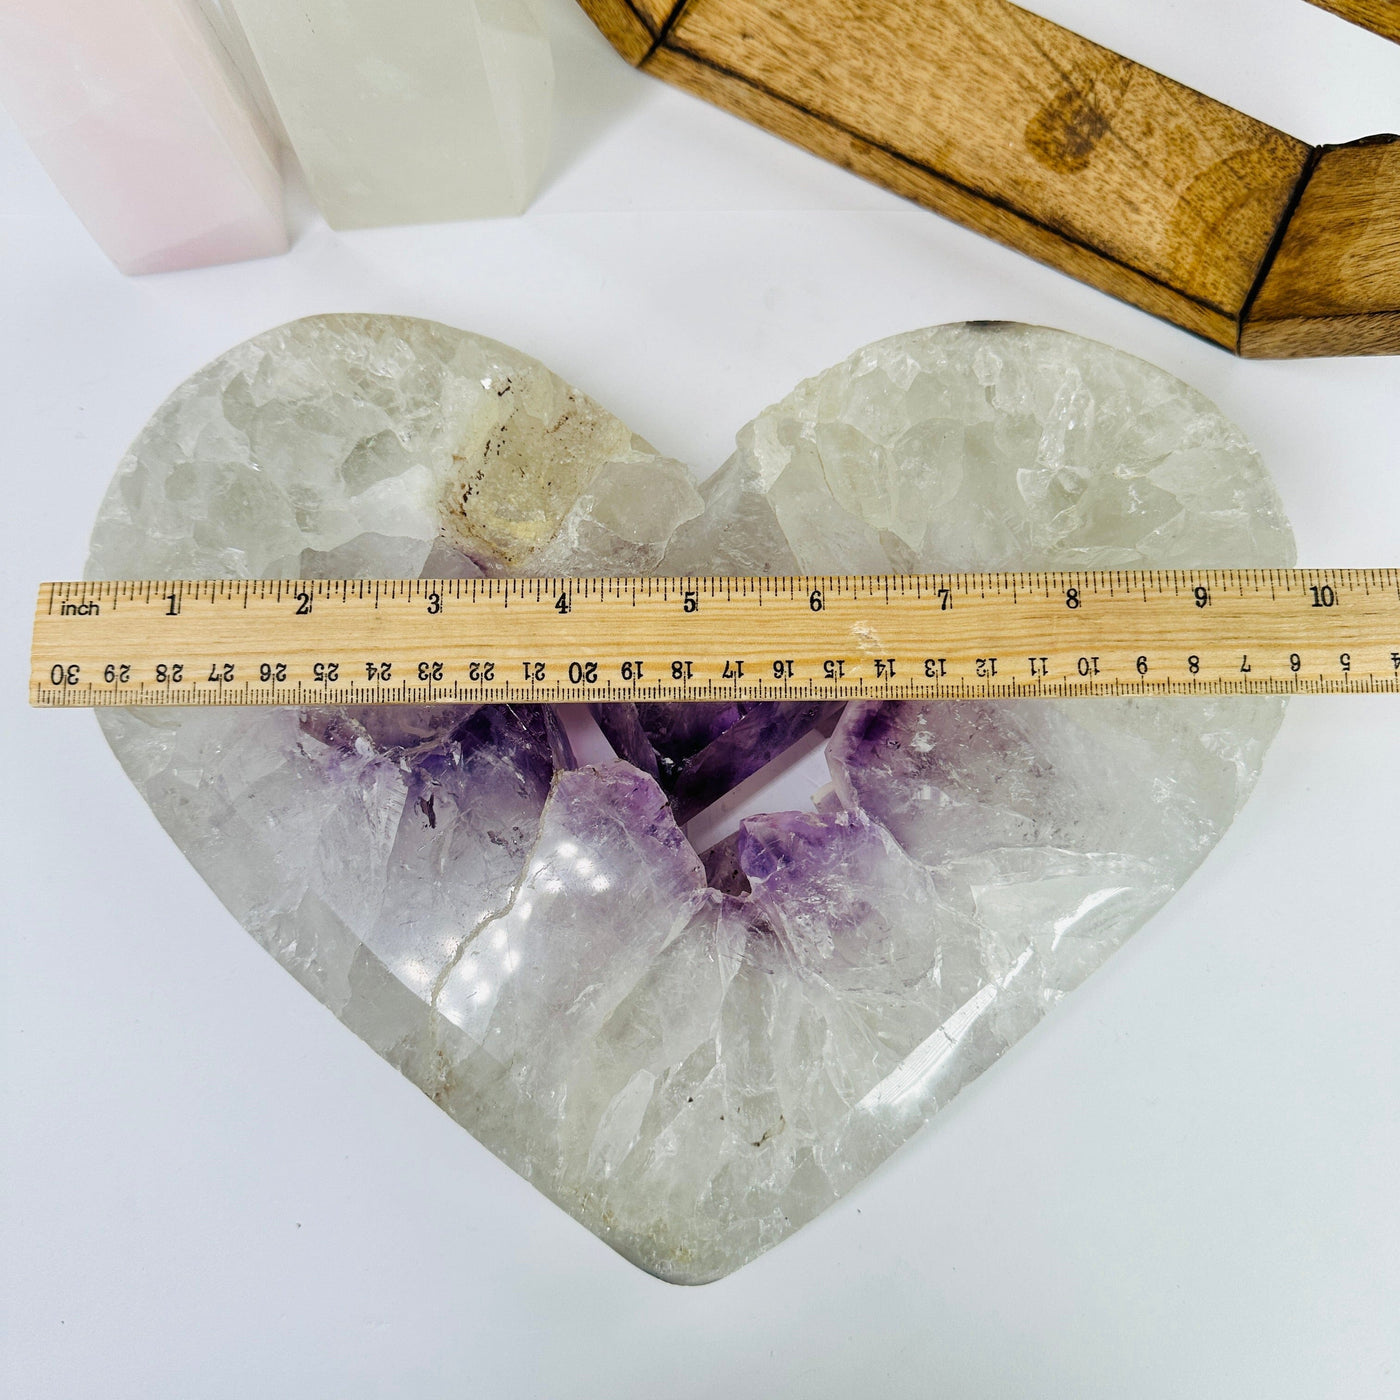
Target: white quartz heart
[691,1057]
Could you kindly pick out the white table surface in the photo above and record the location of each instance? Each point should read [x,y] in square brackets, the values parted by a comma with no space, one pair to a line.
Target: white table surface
[1183,1184]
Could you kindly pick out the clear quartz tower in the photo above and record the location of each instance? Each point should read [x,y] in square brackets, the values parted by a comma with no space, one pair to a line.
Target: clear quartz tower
[411,112]
[692,1052]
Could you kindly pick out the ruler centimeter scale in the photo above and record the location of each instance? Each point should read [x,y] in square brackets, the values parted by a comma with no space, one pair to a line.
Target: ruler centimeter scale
[901,637]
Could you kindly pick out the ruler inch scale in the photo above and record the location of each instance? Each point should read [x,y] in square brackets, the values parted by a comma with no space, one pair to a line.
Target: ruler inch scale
[1058,634]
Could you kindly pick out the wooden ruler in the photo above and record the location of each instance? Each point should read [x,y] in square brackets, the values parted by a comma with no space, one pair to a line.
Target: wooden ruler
[898,637]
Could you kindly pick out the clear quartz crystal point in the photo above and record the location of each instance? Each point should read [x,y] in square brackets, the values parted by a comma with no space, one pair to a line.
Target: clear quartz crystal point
[405,114]
[691,1057]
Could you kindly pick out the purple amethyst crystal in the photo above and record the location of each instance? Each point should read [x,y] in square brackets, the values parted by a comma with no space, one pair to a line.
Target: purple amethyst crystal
[855,909]
[466,787]
[699,750]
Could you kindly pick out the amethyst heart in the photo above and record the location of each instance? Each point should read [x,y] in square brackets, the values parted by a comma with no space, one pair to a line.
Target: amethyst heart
[691,1052]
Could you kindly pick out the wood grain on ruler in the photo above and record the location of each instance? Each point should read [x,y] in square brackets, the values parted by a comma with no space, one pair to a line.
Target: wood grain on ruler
[810,637]
[1059,148]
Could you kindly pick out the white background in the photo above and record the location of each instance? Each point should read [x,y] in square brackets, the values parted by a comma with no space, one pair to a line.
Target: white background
[1183,1184]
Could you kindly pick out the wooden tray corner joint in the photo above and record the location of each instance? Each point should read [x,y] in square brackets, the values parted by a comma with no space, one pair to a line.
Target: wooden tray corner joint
[1066,151]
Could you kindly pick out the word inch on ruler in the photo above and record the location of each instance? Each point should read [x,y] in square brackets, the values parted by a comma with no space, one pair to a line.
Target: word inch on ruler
[898,637]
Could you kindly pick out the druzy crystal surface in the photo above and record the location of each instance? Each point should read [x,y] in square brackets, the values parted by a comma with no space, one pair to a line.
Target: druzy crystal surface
[693,1052]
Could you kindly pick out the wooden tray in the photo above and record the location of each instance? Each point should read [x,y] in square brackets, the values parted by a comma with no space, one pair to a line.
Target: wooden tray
[1063,150]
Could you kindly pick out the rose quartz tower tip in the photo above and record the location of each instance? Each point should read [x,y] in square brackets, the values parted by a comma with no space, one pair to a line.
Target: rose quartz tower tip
[142,130]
